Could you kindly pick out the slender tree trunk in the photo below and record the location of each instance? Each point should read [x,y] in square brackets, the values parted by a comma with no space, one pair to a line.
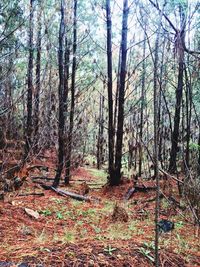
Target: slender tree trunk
[50,100]
[188,119]
[120,123]
[198,169]
[116,99]
[110,96]
[175,134]
[30,85]
[142,107]
[100,133]
[61,122]
[179,93]
[98,138]
[73,85]
[161,108]
[38,66]
[66,73]
[8,94]
[156,127]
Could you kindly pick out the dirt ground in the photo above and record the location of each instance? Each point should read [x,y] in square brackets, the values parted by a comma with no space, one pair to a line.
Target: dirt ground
[69,232]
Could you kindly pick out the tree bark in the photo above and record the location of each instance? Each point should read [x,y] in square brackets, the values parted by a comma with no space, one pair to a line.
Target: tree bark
[110,94]
[38,85]
[188,119]
[30,85]
[100,133]
[120,123]
[156,127]
[179,93]
[73,87]
[142,107]
[61,122]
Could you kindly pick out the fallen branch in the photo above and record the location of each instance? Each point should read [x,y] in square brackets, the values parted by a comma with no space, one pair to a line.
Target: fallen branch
[170,176]
[135,189]
[129,193]
[71,194]
[66,193]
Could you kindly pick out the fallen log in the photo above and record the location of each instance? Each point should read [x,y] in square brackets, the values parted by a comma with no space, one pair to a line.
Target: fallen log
[66,193]
[129,193]
[133,190]
[71,194]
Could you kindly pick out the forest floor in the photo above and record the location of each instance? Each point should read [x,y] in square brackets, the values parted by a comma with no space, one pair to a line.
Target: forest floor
[68,232]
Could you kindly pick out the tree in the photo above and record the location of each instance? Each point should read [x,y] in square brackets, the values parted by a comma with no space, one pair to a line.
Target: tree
[122,81]
[38,81]
[110,95]
[73,87]
[30,84]
[61,123]
[180,41]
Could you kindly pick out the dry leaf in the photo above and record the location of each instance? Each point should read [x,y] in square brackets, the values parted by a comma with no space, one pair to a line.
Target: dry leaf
[32,213]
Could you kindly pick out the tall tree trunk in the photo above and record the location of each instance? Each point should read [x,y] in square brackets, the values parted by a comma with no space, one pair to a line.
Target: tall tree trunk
[180,41]
[38,66]
[101,156]
[66,73]
[161,109]
[175,134]
[116,100]
[73,85]
[110,96]
[188,119]
[198,168]
[8,94]
[61,122]
[100,133]
[30,85]
[49,140]
[120,122]
[142,106]
[156,127]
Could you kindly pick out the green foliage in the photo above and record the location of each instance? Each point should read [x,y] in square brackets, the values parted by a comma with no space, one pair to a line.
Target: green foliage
[69,237]
[57,200]
[97,230]
[45,212]
[179,224]
[194,146]
[100,174]
[109,249]
[183,244]
[176,4]
[147,253]
[59,215]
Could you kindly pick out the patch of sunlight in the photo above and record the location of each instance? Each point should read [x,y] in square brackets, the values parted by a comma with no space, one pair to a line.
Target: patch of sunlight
[101,174]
